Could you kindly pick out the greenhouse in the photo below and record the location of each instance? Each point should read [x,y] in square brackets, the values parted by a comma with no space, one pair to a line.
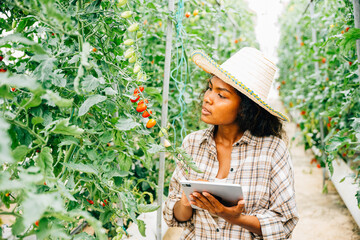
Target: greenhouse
[179,119]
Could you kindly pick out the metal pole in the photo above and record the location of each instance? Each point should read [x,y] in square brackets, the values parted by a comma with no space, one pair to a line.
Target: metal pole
[356,4]
[164,112]
[314,39]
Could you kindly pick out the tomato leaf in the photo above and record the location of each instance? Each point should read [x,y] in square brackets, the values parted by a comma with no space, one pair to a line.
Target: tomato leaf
[45,162]
[91,101]
[20,152]
[141,227]
[62,127]
[125,124]
[144,208]
[4,143]
[81,167]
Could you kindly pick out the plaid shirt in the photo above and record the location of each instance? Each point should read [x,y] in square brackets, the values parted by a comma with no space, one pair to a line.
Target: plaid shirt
[261,165]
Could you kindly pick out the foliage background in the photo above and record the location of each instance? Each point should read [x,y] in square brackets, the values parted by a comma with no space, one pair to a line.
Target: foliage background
[72,146]
[332,96]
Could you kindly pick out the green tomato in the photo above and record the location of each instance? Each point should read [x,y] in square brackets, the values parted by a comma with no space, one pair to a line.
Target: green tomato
[137,68]
[133,27]
[133,59]
[129,42]
[126,14]
[129,53]
[139,34]
[121,3]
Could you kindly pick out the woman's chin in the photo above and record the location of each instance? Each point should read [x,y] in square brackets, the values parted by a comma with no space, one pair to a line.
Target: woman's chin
[206,119]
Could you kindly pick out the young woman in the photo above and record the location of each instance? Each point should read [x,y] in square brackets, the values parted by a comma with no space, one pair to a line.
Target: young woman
[242,146]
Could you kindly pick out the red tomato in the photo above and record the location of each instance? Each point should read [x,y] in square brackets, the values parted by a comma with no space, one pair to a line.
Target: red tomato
[350,63]
[347,29]
[136,91]
[150,123]
[323,60]
[146,114]
[342,32]
[94,49]
[13,89]
[136,99]
[2,70]
[1,58]
[344,154]
[37,223]
[302,44]
[187,14]
[236,41]
[142,101]
[141,107]
[318,166]
[90,201]
[303,112]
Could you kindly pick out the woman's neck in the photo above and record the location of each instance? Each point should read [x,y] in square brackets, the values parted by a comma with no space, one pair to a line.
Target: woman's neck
[227,134]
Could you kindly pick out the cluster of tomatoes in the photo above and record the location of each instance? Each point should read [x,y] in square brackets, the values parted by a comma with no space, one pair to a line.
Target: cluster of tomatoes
[195,13]
[141,106]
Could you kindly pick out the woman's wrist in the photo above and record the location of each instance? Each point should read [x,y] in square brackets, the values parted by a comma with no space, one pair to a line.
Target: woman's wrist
[250,223]
[182,210]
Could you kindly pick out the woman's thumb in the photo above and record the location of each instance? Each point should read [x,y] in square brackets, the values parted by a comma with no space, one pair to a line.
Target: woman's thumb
[241,203]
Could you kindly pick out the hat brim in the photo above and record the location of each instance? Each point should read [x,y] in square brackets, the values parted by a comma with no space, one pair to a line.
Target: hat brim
[210,66]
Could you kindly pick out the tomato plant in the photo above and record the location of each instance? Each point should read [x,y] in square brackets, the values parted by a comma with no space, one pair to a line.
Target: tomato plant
[73,147]
[332,95]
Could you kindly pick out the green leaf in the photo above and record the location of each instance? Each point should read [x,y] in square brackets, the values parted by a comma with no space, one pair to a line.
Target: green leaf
[144,208]
[154,148]
[81,167]
[62,127]
[55,99]
[5,143]
[5,92]
[20,152]
[90,83]
[45,162]
[37,120]
[125,124]
[16,38]
[91,101]
[141,227]
[18,81]
[35,205]
[109,91]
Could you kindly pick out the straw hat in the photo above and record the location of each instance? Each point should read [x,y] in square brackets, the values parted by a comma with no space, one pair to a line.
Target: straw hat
[248,70]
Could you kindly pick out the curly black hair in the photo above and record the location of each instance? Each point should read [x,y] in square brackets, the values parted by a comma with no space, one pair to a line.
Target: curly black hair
[256,119]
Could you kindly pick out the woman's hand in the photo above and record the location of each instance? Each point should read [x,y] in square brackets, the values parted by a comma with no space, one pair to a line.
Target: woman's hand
[207,202]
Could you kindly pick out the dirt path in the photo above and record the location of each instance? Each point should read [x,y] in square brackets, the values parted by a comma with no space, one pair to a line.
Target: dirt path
[322,216]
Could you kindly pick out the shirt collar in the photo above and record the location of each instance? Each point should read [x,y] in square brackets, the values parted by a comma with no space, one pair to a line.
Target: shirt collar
[246,138]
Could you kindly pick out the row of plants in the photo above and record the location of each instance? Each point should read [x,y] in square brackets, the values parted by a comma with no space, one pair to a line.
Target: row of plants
[81,97]
[330,96]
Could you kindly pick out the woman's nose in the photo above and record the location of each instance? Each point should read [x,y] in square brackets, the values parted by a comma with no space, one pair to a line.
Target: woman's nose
[208,98]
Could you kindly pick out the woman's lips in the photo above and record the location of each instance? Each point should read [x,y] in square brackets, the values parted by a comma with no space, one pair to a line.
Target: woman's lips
[205,111]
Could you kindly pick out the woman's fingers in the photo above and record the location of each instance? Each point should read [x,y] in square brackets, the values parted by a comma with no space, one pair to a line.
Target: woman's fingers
[204,201]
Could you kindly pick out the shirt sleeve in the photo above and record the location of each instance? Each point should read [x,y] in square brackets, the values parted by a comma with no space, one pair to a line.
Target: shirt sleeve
[175,194]
[279,220]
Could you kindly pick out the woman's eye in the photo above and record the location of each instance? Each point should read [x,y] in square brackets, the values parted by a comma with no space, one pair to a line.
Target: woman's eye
[221,96]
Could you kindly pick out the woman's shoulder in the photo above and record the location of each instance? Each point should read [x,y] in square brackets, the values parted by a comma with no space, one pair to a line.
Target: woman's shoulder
[198,136]
[275,145]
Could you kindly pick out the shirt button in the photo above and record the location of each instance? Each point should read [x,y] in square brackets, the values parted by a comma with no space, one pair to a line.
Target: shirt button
[218,230]
[231,169]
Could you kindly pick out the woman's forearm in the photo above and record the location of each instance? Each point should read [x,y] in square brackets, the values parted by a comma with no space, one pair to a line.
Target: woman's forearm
[250,223]
[182,213]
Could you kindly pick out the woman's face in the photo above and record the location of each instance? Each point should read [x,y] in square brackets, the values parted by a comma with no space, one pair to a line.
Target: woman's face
[221,103]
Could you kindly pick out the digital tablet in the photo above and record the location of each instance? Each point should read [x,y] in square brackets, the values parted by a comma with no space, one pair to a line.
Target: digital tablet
[228,194]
